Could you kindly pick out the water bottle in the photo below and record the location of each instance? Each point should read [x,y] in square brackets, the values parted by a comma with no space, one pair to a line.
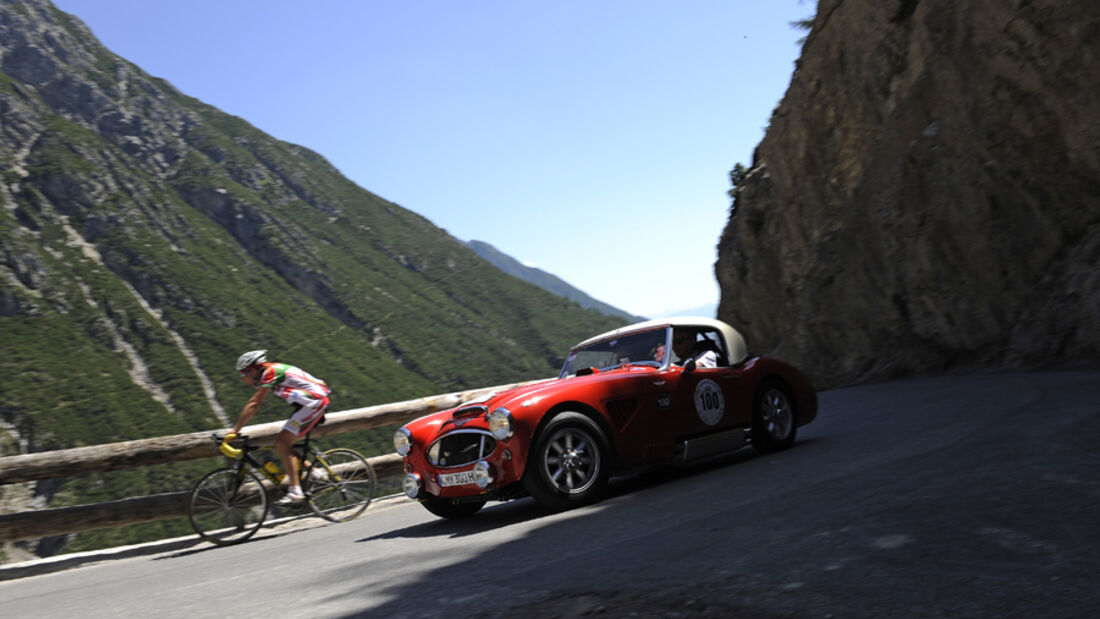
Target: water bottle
[273,468]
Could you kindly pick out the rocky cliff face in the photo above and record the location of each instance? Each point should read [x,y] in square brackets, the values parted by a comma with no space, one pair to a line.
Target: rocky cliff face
[927,195]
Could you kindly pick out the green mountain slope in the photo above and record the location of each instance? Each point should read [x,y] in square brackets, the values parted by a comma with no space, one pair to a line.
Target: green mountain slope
[147,239]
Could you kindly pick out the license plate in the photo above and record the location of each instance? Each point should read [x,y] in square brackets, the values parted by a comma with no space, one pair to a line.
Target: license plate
[456,479]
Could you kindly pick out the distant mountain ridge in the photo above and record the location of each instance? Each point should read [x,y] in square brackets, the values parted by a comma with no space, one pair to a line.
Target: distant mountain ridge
[544,280]
[708,310]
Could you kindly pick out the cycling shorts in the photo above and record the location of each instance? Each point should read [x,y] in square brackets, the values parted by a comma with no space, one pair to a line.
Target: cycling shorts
[305,416]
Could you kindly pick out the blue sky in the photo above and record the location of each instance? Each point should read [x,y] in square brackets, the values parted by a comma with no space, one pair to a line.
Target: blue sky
[590,139]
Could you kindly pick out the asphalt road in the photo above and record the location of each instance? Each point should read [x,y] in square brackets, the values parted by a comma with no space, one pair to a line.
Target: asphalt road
[961,496]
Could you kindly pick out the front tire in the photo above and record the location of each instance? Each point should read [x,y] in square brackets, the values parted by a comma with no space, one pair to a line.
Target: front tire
[570,463]
[773,419]
[446,508]
[227,506]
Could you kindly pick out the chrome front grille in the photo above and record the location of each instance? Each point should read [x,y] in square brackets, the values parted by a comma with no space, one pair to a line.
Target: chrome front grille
[461,448]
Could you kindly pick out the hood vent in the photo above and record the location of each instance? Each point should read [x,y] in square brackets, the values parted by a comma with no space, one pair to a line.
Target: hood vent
[471,411]
[621,411]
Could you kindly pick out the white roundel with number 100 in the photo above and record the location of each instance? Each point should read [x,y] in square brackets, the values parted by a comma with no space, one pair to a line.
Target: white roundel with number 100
[709,402]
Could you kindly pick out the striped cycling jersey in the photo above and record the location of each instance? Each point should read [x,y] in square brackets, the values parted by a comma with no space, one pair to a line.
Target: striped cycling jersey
[293,384]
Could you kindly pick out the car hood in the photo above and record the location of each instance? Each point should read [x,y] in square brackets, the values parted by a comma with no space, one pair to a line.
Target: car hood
[471,414]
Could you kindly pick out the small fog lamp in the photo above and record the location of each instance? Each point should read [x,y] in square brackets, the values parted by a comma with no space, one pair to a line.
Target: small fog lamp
[411,485]
[482,475]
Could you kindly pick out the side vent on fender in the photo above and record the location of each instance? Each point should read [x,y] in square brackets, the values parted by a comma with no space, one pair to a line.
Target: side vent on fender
[621,412]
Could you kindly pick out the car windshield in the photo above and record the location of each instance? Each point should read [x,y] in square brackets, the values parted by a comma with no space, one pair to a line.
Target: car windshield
[646,348]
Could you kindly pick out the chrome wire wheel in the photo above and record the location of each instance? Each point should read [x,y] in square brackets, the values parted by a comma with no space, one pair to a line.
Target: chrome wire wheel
[571,460]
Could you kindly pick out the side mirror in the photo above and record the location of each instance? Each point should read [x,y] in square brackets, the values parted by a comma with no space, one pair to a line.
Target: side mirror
[689,366]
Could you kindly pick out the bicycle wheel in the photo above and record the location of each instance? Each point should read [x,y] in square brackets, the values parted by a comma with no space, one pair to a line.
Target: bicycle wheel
[227,506]
[339,484]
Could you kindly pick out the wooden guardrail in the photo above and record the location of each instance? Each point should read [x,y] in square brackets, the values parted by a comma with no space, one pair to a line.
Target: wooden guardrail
[145,452]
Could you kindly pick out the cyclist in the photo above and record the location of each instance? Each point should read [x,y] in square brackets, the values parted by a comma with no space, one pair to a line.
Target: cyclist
[308,395]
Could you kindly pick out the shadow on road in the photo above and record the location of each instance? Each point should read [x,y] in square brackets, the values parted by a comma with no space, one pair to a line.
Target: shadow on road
[512,512]
[949,496]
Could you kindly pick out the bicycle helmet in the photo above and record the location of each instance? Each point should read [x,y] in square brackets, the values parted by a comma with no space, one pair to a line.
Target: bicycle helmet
[250,359]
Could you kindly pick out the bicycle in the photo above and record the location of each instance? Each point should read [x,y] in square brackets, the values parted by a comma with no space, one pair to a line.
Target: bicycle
[227,506]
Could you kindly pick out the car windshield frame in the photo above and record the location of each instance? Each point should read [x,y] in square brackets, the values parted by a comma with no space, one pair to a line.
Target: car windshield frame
[640,347]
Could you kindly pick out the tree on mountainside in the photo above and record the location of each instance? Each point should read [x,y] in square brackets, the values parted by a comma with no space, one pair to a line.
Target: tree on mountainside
[806,24]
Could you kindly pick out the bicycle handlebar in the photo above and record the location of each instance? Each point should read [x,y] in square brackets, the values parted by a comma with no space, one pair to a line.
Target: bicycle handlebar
[228,450]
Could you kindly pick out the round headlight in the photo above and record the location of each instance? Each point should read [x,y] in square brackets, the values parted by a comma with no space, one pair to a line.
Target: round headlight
[482,475]
[402,441]
[500,423]
[411,485]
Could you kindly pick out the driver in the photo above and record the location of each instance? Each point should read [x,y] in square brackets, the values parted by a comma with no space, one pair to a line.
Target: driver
[686,346]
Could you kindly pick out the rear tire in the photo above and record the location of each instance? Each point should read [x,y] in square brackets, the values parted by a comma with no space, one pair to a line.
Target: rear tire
[344,489]
[569,464]
[773,419]
[227,506]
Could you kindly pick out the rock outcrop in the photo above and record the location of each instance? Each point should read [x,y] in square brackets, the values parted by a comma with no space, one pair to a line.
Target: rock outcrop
[927,195]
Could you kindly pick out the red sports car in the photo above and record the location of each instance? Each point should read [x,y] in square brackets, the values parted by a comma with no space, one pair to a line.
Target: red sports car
[662,391]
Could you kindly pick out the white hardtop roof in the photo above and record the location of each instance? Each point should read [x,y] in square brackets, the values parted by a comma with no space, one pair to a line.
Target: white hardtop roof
[735,342]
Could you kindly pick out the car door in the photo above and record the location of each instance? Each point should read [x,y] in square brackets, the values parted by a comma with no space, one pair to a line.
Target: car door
[707,400]
[638,405]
